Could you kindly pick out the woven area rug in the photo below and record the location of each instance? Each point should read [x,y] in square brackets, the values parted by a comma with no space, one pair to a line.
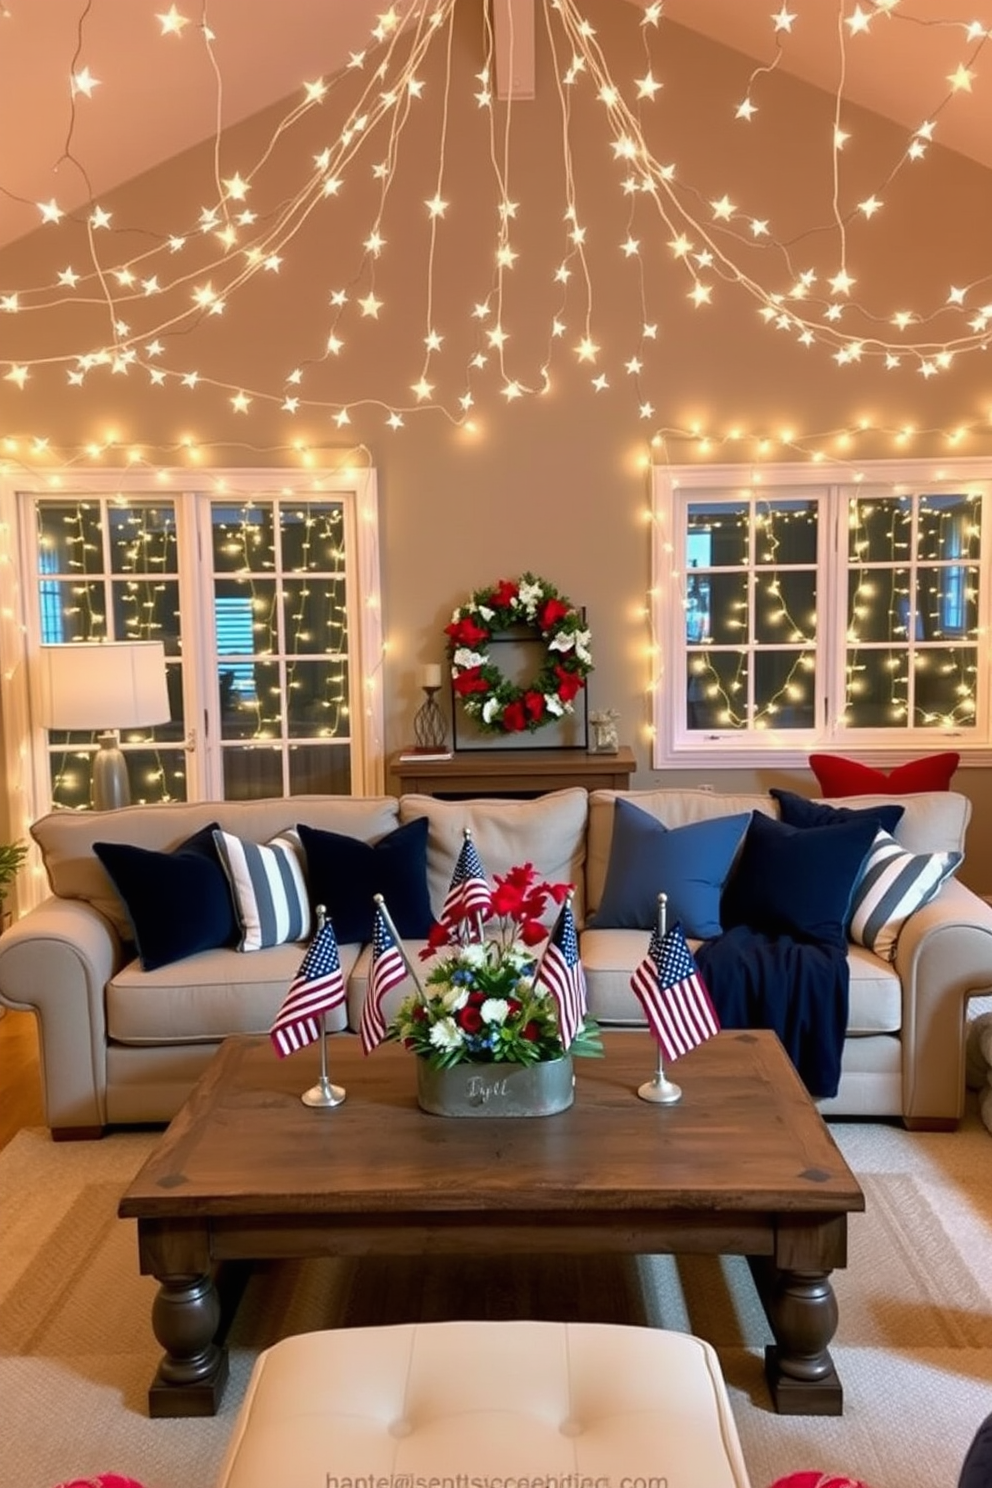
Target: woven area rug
[914,1346]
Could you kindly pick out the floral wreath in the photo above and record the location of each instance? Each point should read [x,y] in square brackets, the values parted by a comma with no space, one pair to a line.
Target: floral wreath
[498,705]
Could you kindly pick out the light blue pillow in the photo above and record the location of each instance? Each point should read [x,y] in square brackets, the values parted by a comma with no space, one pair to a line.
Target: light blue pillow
[690,864]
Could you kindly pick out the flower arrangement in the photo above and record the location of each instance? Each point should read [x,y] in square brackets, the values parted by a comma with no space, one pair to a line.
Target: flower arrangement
[498,705]
[484,1002]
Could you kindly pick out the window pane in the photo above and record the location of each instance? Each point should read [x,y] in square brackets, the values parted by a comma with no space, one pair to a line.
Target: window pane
[878,604]
[246,617]
[243,538]
[949,527]
[716,690]
[785,532]
[877,688]
[142,539]
[72,610]
[154,775]
[316,617]
[785,607]
[944,687]
[880,529]
[147,610]
[717,534]
[319,770]
[317,699]
[69,537]
[251,700]
[784,684]
[251,773]
[312,537]
[725,595]
[947,602]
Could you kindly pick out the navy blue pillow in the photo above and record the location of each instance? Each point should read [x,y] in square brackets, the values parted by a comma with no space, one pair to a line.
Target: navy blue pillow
[689,864]
[343,874]
[797,880]
[797,811]
[178,902]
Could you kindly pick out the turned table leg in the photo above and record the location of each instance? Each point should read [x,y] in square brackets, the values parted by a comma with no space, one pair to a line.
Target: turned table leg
[802,1313]
[186,1317]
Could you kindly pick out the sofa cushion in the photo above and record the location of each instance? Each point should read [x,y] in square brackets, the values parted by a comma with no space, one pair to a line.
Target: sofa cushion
[344,875]
[177,903]
[837,776]
[799,811]
[894,884]
[689,864]
[797,880]
[206,997]
[268,888]
[74,872]
[549,832]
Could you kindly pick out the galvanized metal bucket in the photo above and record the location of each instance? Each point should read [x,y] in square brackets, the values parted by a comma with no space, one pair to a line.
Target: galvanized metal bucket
[496,1089]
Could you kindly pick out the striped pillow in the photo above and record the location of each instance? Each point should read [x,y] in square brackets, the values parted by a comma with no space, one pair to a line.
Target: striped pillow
[894,884]
[268,887]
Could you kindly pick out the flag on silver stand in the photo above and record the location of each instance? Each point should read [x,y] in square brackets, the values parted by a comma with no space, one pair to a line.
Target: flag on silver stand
[679,1010]
[317,988]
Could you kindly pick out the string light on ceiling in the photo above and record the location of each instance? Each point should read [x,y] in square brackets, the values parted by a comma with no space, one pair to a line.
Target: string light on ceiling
[146,303]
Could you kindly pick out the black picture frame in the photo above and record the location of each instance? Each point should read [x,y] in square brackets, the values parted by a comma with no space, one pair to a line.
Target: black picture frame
[521,654]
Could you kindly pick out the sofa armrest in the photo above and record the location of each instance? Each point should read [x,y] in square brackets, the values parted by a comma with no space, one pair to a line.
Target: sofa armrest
[943,957]
[55,962]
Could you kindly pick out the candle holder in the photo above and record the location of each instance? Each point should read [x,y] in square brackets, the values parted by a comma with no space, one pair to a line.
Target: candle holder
[429,727]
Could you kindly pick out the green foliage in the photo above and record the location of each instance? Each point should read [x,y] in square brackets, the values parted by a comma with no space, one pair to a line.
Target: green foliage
[12,855]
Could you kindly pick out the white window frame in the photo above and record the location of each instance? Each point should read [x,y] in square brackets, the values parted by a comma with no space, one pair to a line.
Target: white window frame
[25,748]
[673,487]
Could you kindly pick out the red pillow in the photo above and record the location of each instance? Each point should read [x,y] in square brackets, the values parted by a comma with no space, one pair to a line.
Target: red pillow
[837,776]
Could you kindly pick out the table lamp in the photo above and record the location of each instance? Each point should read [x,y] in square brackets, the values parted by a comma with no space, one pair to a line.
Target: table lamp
[104,686]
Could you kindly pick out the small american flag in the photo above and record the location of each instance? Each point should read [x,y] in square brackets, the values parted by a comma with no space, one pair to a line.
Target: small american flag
[561,972]
[469,893]
[388,970]
[678,1006]
[317,988]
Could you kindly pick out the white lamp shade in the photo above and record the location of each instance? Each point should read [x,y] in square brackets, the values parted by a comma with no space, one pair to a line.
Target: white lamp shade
[107,685]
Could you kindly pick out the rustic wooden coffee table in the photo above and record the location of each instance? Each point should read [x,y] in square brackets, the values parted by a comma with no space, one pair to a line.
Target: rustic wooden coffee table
[743,1165]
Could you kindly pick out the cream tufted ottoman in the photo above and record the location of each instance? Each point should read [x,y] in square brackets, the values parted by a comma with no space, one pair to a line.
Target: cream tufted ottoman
[486,1405]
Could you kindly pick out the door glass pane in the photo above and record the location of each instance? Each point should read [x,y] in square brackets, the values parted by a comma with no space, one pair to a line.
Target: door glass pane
[950,527]
[877,688]
[319,770]
[317,699]
[718,534]
[243,538]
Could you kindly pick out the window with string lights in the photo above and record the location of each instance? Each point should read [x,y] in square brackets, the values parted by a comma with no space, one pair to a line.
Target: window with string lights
[806,607]
[264,593]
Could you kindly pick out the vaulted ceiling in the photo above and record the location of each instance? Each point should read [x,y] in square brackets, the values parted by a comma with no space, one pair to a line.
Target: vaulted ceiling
[145,91]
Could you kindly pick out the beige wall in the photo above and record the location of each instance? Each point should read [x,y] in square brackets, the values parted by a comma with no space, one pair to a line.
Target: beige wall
[552,483]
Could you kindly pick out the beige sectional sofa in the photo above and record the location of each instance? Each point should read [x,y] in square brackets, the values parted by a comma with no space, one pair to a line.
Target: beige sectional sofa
[120,1045]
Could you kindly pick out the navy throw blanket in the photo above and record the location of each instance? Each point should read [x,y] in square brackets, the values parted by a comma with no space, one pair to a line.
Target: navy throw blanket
[797,988]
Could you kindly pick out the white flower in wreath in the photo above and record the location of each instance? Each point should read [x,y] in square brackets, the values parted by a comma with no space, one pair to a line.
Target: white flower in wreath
[493,1010]
[490,708]
[454,999]
[486,613]
[564,641]
[473,955]
[465,657]
[554,704]
[446,1034]
[531,596]
[582,639]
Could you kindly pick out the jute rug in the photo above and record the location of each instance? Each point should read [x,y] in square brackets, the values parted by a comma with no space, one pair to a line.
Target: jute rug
[914,1346]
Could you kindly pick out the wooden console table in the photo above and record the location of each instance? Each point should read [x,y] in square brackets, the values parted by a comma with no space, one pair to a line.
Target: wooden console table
[513,772]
